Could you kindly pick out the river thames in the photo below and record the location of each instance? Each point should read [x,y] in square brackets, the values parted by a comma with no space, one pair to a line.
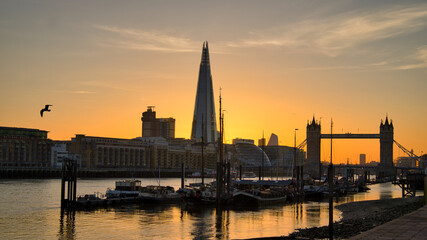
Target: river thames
[30,209]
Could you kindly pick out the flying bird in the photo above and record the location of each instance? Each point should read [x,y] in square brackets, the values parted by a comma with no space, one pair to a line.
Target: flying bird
[46,108]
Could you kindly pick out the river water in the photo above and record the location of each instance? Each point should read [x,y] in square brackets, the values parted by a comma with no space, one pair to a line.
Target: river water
[30,209]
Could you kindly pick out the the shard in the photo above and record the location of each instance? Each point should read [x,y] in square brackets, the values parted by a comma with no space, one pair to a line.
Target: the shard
[204,121]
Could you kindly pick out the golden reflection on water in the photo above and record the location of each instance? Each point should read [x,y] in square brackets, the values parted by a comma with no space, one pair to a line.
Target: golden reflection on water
[173,222]
[67,225]
[43,220]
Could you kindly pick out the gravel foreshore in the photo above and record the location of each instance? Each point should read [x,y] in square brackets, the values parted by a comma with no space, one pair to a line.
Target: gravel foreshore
[359,217]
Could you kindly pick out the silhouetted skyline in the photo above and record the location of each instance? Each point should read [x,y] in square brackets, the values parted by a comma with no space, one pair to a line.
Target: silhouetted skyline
[278,64]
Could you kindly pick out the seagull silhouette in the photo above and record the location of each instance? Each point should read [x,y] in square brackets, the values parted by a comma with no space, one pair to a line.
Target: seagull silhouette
[46,108]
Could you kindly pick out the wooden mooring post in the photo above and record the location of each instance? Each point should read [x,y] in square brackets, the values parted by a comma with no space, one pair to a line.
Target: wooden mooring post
[69,177]
[182,175]
[408,188]
[407,183]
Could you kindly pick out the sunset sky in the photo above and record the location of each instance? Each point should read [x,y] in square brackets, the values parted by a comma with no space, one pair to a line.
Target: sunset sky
[279,63]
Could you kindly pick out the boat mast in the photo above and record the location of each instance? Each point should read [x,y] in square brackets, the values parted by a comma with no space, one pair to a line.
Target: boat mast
[221,146]
[262,157]
[228,165]
[331,192]
[219,174]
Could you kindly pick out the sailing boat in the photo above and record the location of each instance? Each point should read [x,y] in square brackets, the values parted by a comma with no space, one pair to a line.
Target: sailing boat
[158,194]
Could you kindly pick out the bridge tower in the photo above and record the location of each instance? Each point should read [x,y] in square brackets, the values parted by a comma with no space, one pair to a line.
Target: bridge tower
[312,165]
[386,167]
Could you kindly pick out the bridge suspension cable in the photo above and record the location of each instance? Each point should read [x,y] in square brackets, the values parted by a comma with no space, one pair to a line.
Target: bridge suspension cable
[409,153]
[302,145]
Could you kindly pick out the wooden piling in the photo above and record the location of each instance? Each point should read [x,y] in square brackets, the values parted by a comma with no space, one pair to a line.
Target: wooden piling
[69,176]
[182,175]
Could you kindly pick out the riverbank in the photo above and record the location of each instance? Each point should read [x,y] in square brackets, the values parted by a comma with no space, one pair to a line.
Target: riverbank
[55,173]
[359,217]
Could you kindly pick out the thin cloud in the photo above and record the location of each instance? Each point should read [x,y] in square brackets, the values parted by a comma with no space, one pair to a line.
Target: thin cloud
[82,92]
[382,63]
[146,40]
[331,36]
[107,85]
[420,56]
[331,68]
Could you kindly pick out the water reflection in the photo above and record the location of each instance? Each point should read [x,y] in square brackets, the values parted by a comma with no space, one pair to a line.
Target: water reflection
[385,192]
[314,213]
[202,222]
[153,213]
[20,217]
[222,224]
[67,226]
[297,210]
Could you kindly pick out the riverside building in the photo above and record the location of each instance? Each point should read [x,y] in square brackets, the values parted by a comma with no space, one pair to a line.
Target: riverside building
[140,153]
[24,147]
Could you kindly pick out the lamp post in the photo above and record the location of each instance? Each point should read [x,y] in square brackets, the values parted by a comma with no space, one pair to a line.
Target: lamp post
[295,154]
[331,192]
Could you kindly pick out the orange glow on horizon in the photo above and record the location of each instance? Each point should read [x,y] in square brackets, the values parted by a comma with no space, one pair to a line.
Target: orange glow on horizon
[279,67]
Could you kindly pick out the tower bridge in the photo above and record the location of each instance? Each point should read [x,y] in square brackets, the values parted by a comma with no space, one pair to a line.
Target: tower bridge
[350,135]
[314,136]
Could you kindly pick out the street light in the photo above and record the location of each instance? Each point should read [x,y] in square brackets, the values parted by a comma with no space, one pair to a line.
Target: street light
[295,153]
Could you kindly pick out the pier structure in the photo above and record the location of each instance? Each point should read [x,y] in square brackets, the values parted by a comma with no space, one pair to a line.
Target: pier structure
[314,137]
[69,178]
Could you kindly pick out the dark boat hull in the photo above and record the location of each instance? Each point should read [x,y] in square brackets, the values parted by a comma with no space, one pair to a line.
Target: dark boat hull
[154,200]
[247,199]
[196,201]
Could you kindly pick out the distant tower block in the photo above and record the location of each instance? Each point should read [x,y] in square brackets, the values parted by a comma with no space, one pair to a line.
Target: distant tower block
[312,165]
[157,127]
[204,118]
[150,126]
[261,142]
[362,159]
[274,140]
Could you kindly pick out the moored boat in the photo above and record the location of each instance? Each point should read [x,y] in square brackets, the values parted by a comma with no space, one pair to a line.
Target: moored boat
[124,189]
[131,190]
[258,198]
[315,191]
[261,193]
[159,194]
[90,199]
[249,175]
[198,194]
